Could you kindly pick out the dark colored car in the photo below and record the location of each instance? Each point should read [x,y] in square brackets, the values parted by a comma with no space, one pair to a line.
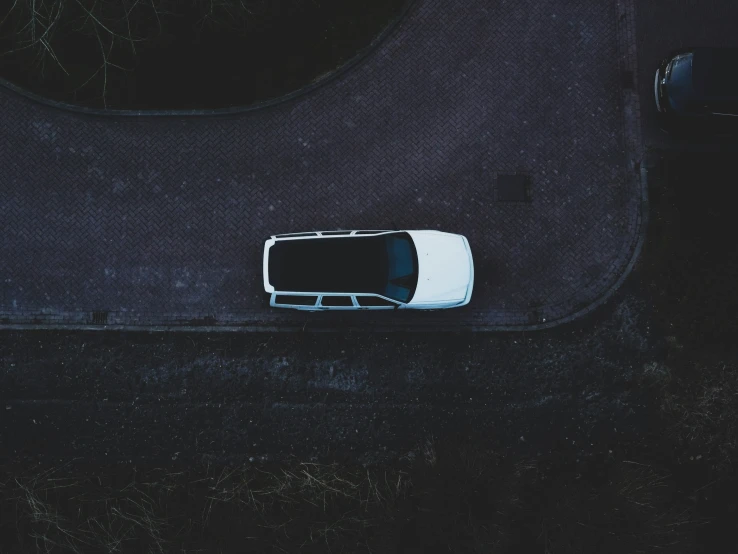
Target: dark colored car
[698,88]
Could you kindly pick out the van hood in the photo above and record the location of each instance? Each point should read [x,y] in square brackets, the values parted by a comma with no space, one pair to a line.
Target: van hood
[445,267]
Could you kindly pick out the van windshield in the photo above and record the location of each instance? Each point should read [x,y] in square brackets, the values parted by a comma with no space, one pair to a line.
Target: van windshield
[402,270]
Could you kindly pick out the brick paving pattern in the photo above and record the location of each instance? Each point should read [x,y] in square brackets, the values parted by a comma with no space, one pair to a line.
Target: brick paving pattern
[161,221]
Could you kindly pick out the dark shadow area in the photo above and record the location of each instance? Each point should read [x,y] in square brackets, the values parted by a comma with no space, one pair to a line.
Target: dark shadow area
[174,55]
[690,262]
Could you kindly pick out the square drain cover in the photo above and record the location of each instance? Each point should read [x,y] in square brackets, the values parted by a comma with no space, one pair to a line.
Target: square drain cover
[512,188]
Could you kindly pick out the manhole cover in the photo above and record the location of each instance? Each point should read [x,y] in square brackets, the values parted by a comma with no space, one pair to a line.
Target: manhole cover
[512,188]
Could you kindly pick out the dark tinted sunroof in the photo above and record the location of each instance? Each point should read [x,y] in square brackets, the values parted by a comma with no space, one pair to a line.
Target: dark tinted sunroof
[357,264]
[715,71]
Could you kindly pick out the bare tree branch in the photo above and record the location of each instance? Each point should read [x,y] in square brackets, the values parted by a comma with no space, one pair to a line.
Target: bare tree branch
[36,24]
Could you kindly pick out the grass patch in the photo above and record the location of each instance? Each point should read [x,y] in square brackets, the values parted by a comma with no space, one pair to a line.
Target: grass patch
[165,54]
[703,413]
[451,498]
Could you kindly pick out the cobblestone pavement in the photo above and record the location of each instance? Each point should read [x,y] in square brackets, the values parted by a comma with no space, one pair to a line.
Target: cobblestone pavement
[161,221]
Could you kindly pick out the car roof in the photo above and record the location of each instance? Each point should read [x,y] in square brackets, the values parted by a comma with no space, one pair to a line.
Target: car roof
[715,72]
[355,264]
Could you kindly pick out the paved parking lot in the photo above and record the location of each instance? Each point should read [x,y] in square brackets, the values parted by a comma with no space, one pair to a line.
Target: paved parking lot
[161,221]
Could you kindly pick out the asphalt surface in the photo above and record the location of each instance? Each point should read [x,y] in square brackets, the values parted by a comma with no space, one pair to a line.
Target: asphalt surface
[161,222]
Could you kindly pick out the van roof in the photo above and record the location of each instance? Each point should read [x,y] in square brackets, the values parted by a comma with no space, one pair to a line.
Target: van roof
[335,264]
[715,72]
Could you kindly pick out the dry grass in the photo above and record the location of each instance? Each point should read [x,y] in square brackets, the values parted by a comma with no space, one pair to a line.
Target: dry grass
[656,375]
[314,505]
[429,451]
[463,498]
[703,412]
[113,519]
[36,24]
